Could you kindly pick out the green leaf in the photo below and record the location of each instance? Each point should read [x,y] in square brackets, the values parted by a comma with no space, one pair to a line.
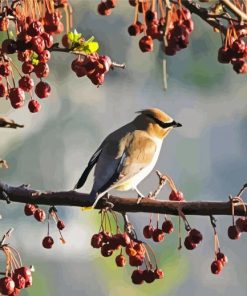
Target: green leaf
[71,36]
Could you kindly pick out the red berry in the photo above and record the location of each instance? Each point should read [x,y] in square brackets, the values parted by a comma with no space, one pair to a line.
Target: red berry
[148,231]
[3,90]
[27,67]
[42,89]
[223,259]
[167,226]
[148,276]
[20,282]
[40,215]
[15,293]
[216,267]
[233,232]
[5,69]
[26,83]
[48,242]
[240,66]
[189,244]
[111,3]
[134,30]
[7,285]
[136,260]
[106,251]
[45,56]
[158,273]
[48,39]
[34,106]
[53,18]
[242,224]
[120,260]
[103,9]
[195,236]
[16,95]
[158,235]
[35,28]
[97,241]
[130,251]
[137,277]
[4,24]
[60,224]
[146,44]
[176,196]
[38,44]
[41,70]
[97,79]
[104,63]
[26,273]
[29,209]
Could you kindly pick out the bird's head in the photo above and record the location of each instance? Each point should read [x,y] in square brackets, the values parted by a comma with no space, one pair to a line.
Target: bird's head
[156,122]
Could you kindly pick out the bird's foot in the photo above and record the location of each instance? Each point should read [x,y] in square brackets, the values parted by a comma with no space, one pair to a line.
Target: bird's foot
[107,205]
[140,195]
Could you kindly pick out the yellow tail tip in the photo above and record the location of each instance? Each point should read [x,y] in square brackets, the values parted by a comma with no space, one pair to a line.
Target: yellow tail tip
[87,208]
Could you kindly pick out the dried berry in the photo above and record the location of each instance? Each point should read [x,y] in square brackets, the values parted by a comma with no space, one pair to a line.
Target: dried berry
[40,215]
[48,242]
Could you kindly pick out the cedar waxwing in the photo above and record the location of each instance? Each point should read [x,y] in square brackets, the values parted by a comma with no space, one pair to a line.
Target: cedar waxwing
[128,154]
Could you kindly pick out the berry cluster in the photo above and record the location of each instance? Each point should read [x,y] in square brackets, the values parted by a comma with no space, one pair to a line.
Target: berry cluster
[193,238]
[172,28]
[136,250]
[93,66]
[158,234]
[40,215]
[17,276]
[105,7]
[234,51]
[35,29]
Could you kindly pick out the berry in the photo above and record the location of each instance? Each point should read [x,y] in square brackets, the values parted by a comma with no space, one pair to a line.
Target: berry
[176,196]
[5,69]
[4,24]
[9,46]
[146,44]
[45,56]
[223,259]
[3,90]
[60,224]
[48,242]
[40,215]
[26,273]
[29,209]
[97,241]
[106,251]
[195,236]
[16,95]
[137,277]
[233,232]
[216,267]
[48,39]
[111,3]
[158,235]
[41,70]
[7,285]
[103,9]
[148,231]
[26,83]
[189,245]
[134,30]
[135,260]
[38,44]
[149,276]
[130,251]
[42,89]
[34,106]
[158,273]
[27,67]
[20,282]
[242,224]
[120,260]
[35,29]
[240,66]
[15,293]
[167,226]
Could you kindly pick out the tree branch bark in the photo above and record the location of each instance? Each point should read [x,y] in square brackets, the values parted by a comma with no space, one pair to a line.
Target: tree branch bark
[9,123]
[23,194]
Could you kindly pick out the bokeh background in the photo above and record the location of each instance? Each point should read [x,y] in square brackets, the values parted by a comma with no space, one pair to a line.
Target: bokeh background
[206,158]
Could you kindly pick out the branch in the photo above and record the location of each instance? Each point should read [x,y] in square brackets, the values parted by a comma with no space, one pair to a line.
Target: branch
[9,123]
[23,194]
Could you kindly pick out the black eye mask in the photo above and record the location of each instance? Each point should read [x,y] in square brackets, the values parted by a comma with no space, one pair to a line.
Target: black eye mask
[164,124]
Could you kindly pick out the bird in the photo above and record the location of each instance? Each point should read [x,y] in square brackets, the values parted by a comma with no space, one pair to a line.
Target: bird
[127,155]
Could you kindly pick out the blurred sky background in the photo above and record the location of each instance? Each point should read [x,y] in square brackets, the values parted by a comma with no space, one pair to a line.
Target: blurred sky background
[206,158]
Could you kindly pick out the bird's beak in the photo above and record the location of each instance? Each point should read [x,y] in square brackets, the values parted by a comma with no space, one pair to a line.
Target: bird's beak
[177,124]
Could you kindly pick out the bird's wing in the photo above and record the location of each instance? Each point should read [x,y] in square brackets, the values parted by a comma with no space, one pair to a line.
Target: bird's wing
[89,167]
[121,160]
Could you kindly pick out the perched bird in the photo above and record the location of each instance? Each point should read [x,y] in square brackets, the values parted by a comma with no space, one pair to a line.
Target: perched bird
[128,154]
